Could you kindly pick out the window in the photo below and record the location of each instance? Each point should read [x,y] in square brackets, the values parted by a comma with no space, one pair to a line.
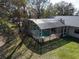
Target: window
[77,31]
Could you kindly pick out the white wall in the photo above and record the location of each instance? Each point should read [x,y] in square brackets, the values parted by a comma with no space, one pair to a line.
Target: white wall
[72,33]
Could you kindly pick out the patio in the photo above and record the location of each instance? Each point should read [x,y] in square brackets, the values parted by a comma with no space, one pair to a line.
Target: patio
[51,37]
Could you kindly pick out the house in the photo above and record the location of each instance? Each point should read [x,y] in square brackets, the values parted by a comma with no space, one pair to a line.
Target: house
[44,30]
[72,22]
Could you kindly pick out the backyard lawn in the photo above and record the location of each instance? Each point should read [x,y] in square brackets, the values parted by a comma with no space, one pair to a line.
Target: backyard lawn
[68,50]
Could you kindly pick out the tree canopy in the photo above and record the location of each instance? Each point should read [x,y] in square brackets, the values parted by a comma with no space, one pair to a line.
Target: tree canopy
[38,7]
[35,8]
[64,8]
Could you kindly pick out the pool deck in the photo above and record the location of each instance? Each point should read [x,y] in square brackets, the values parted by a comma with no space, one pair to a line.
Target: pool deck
[51,37]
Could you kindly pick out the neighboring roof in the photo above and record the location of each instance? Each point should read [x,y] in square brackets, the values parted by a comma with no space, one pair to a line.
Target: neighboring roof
[47,23]
[69,20]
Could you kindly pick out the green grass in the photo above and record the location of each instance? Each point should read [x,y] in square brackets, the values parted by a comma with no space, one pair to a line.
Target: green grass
[6,22]
[69,50]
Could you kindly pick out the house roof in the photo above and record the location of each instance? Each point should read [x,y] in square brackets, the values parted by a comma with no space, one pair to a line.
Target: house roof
[69,20]
[47,23]
[54,22]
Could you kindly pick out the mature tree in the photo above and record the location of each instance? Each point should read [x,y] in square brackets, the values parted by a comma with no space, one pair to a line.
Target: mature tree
[14,10]
[58,9]
[11,6]
[4,8]
[20,8]
[48,11]
[38,7]
[64,8]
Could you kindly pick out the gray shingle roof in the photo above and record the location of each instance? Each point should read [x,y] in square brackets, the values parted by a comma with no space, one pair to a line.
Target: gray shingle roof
[54,22]
[69,20]
[47,23]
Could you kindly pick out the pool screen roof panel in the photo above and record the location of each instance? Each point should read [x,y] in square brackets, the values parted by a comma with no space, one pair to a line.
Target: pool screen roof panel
[47,23]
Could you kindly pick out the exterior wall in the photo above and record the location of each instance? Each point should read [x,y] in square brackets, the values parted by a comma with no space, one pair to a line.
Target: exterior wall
[72,33]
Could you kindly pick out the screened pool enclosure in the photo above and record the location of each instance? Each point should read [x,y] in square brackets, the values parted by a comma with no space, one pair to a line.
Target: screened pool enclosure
[44,29]
[43,32]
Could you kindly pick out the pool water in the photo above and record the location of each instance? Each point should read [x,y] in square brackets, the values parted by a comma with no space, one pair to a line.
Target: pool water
[46,33]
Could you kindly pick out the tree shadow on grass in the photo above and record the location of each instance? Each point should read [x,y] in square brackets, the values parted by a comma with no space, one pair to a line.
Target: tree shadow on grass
[12,44]
[9,40]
